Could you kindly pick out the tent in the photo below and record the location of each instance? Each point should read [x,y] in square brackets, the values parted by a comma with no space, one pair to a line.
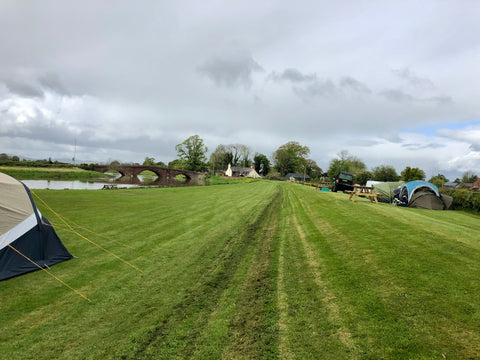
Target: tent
[424,195]
[386,189]
[28,242]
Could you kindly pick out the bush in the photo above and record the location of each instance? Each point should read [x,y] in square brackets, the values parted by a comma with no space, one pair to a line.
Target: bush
[464,198]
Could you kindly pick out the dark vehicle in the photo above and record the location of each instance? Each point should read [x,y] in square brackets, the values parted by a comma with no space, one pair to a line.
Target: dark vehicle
[344,181]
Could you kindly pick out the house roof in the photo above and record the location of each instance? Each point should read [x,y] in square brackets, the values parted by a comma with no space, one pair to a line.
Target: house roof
[297,175]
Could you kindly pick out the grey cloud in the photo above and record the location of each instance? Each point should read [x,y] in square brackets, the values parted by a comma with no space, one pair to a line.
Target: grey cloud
[30,85]
[319,88]
[440,100]
[308,86]
[397,96]
[348,82]
[52,82]
[411,78]
[230,71]
[23,88]
[391,136]
[292,75]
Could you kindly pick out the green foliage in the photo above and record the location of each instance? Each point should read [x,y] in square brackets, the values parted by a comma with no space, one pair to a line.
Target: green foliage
[469,177]
[262,164]
[176,164]
[385,173]
[220,158]
[290,158]
[192,152]
[438,180]
[234,154]
[149,161]
[410,174]
[464,198]
[348,163]
[363,177]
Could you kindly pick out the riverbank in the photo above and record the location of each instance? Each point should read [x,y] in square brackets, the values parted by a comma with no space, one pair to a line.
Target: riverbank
[44,173]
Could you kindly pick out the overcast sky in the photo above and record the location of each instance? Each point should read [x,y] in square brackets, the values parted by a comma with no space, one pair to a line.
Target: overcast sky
[392,82]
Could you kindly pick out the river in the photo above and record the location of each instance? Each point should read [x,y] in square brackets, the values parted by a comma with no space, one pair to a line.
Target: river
[71,185]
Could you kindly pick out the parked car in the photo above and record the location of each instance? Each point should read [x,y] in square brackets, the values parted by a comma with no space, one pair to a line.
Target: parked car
[342,182]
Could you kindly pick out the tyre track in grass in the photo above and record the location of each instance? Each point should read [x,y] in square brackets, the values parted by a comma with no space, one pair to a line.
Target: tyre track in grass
[176,336]
[329,299]
[254,329]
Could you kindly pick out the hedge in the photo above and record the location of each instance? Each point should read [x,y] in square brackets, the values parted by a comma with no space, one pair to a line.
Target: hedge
[464,198]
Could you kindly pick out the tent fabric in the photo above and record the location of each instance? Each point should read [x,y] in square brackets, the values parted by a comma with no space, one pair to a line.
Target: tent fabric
[426,200]
[448,201]
[425,195]
[386,188]
[412,186]
[27,239]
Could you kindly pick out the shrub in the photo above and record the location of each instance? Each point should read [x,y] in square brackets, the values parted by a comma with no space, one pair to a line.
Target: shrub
[464,198]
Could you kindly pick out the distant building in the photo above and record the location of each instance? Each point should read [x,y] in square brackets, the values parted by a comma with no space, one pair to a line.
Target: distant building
[476,185]
[297,177]
[238,171]
[450,185]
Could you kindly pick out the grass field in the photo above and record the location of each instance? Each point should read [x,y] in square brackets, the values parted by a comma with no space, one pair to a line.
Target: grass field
[260,270]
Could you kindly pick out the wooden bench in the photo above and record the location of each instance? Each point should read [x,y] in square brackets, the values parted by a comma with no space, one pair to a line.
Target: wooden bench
[367,191]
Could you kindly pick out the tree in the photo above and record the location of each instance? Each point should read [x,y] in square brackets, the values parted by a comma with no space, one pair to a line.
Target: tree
[469,177]
[192,153]
[438,180]
[262,164]
[290,158]
[312,169]
[363,176]
[149,161]
[220,158]
[245,155]
[385,173]
[348,163]
[410,174]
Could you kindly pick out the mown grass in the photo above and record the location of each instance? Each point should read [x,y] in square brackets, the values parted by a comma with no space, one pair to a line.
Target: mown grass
[250,270]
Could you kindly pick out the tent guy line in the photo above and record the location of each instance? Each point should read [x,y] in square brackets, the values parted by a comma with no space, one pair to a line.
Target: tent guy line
[45,270]
[70,228]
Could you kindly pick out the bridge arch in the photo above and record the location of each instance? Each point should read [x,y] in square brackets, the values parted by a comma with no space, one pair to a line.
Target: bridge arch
[166,176]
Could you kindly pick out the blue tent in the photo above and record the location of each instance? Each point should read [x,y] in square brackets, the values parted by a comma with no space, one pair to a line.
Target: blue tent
[412,186]
[28,241]
[424,195]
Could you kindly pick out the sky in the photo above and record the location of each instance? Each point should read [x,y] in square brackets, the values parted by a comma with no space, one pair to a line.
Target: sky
[392,82]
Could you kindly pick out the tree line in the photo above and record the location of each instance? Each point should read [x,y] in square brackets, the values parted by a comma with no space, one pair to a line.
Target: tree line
[292,157]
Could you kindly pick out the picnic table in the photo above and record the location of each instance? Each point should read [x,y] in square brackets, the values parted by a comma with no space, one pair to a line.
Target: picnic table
[367,191]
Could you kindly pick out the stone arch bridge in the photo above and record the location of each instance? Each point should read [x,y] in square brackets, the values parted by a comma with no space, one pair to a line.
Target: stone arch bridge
[166,176]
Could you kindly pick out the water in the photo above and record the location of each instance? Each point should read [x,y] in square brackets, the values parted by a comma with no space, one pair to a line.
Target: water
[71,185]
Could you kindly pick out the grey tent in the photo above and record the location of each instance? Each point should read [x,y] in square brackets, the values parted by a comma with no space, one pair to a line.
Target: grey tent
[28,242]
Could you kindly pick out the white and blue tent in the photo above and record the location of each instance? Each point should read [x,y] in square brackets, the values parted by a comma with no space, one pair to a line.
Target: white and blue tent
[28,242]
[424,195]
